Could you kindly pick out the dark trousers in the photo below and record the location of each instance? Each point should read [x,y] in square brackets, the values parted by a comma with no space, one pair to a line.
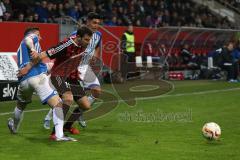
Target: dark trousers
[131,56]
[232,71]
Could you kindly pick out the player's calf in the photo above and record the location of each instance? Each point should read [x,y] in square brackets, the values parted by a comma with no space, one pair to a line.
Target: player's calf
[14,123]
[67,98]
[84,104]
[47,120]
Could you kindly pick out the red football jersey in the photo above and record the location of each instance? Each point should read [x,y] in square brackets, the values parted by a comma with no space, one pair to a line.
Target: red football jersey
[67,57]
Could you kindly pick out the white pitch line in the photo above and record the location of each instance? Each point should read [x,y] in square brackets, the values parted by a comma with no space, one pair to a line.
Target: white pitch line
[190,93]
[143,98]
[33,110]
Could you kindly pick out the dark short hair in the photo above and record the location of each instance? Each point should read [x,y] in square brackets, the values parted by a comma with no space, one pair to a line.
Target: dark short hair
[93,15]
[84,31]
[30,29]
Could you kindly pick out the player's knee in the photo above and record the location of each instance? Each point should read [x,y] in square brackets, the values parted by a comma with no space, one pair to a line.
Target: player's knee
[55,101]
[21,105]
[67,98]
[96,92]
[84,103]
[86,106]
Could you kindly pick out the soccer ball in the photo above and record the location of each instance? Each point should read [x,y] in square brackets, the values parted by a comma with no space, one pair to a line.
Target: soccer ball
[211,131]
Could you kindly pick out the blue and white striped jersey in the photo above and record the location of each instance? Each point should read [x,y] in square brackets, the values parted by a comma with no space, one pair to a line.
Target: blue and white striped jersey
[24,57]
[94,43]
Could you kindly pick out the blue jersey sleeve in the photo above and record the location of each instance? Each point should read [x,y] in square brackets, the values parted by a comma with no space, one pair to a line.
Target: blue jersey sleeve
[74,33]
[23,53]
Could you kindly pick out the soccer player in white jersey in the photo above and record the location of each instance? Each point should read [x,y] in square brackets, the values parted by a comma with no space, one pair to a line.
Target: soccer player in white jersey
[35,80]
[89,79]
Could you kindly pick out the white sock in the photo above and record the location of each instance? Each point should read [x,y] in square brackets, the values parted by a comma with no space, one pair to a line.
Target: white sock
[49,115]
[91,99]
[58,120]
[18,114]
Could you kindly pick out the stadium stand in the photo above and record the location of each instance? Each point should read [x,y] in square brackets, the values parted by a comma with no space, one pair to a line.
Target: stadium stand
[142,13]
[149,13]
[231,4]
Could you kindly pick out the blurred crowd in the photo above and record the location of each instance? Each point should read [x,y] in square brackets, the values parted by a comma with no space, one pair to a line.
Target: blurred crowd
[231,3]
[144,13]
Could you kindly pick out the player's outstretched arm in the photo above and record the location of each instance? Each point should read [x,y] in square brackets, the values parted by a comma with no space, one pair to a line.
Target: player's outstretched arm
[51,53]
[23,71]
[36,58]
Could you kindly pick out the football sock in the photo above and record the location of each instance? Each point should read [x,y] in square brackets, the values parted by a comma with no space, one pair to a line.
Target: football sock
[74,117]
[58,121]
[18,114]
[65,110]
[49,115]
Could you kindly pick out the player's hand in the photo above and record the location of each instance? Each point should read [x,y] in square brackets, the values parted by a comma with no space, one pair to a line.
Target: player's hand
[34,55]
[22,71]
[93,61]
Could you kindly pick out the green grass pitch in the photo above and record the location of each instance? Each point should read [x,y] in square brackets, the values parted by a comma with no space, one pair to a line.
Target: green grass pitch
[167,127]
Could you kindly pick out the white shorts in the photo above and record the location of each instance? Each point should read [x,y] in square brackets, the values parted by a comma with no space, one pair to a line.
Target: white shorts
[88,77]
[39,84]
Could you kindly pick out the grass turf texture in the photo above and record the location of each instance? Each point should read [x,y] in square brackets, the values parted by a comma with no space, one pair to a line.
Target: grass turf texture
[120,135]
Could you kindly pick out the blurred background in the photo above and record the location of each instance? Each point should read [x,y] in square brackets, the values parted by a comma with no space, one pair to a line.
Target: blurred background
[173,39]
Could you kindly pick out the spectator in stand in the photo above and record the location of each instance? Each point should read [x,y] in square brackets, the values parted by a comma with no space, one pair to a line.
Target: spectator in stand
[166,17]
[149,21]
[7,16]
[74,13]
[140,7]
[232,4]
[148,13]
[119,22]
[71,3]
[148,7]
[112,22]
[42,11]
[66,7]
[21,17]
[29,18]
[36,18]
[138,23]
[2,10]
[60,10]
[8,6]
[80,9]
[51,13]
